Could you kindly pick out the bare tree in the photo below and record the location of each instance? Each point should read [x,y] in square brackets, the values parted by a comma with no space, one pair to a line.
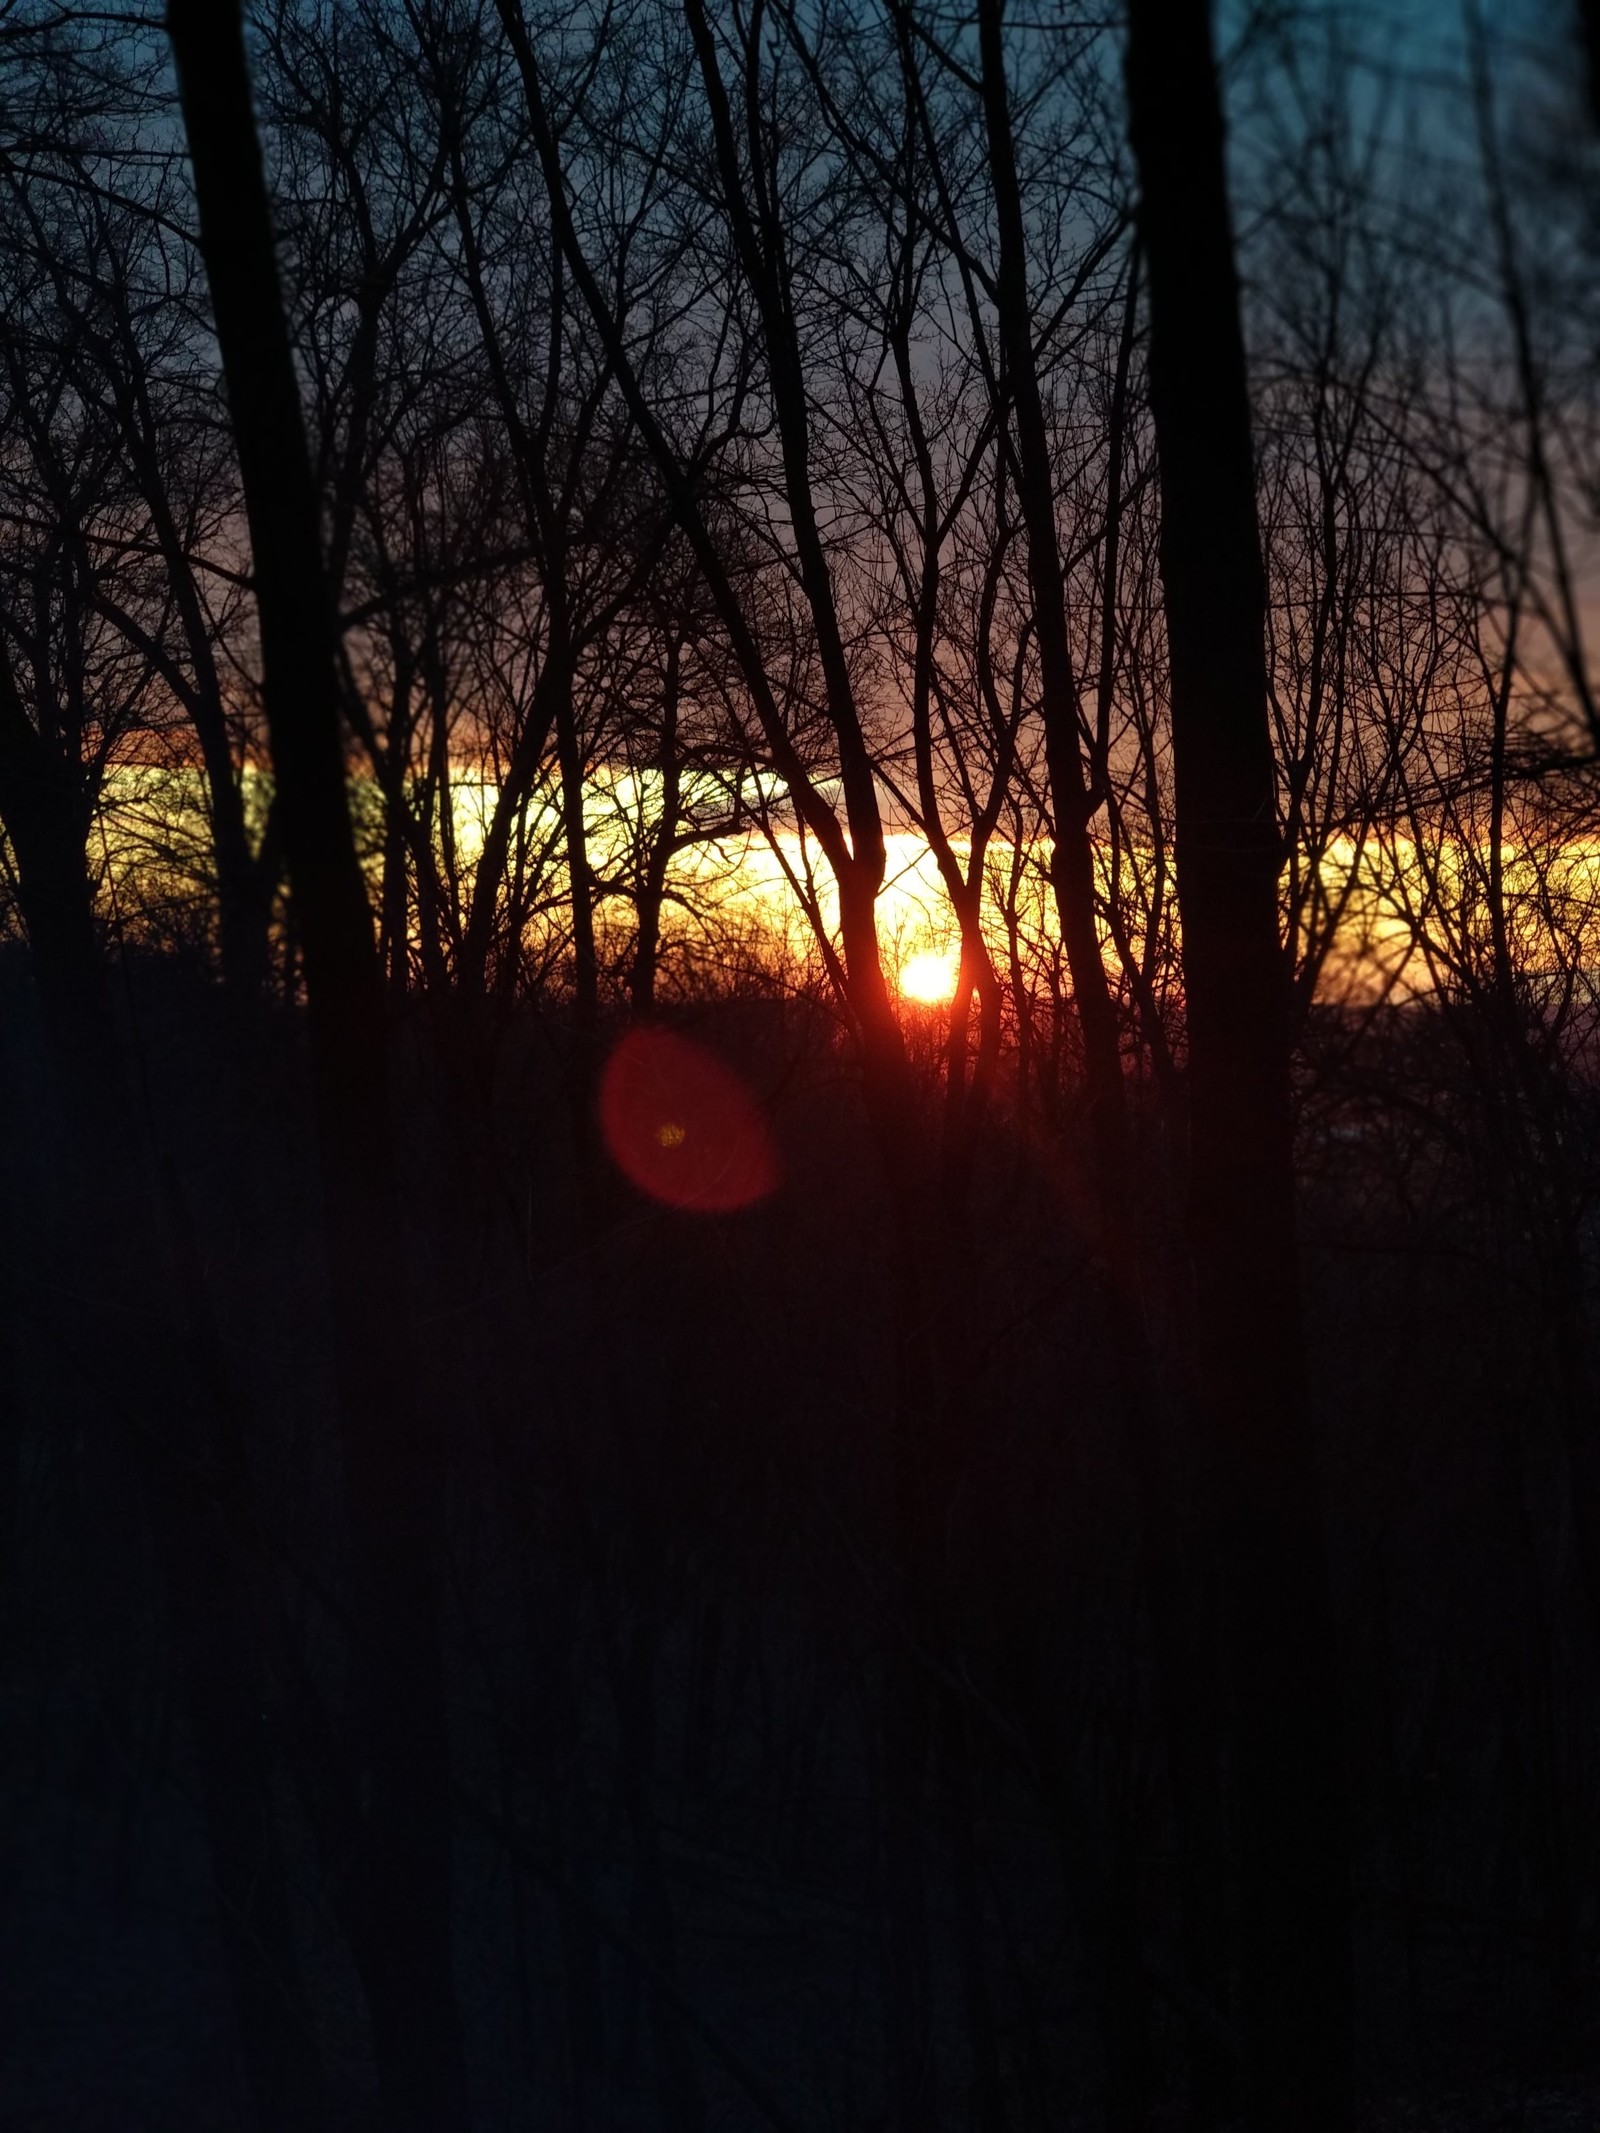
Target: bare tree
[399,1888]
[1249,1369]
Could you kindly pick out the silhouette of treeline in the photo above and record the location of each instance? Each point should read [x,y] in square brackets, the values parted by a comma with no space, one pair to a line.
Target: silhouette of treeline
[1083,1607]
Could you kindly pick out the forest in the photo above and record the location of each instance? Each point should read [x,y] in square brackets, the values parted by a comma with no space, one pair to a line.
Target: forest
[799,1066]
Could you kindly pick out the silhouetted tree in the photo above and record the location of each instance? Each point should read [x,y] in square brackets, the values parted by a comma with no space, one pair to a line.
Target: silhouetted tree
[398,1892]
[1250,1390]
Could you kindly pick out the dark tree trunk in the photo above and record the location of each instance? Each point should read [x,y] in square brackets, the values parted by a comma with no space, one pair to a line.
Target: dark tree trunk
[1186,1721]
[42,807]
[1249,1381]
[187,1448]
[397,1897]
[1589,27]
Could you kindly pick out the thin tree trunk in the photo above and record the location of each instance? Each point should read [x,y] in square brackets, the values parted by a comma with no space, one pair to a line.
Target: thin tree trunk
[1249,1368]
[478,935]
[1071,801]
[653,888]
[241,908]
[398,1894]
[586,972]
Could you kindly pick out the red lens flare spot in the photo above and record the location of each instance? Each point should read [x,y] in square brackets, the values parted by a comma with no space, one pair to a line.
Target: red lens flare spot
[683,1127]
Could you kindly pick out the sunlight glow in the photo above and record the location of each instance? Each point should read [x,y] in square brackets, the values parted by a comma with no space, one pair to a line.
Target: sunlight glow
[754,896]
[930,979]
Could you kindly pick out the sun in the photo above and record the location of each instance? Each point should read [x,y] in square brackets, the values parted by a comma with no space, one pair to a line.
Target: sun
[930,979]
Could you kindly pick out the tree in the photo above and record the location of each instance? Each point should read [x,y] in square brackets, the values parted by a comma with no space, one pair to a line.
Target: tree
[84,678]
[398,1898]
[1249,1383]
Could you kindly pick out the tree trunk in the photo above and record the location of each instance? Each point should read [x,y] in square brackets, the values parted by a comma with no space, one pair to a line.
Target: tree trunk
[1589,32]
[1178,1647]
[1249,1378]
[186,1444]
[653,885]
[398,1893]
[585,959]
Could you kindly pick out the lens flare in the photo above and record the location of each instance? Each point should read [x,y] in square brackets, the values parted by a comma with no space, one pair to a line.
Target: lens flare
[682,1127]
[930,979]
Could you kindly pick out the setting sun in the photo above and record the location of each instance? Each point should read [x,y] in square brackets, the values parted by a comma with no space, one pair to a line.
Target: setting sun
[930,979]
